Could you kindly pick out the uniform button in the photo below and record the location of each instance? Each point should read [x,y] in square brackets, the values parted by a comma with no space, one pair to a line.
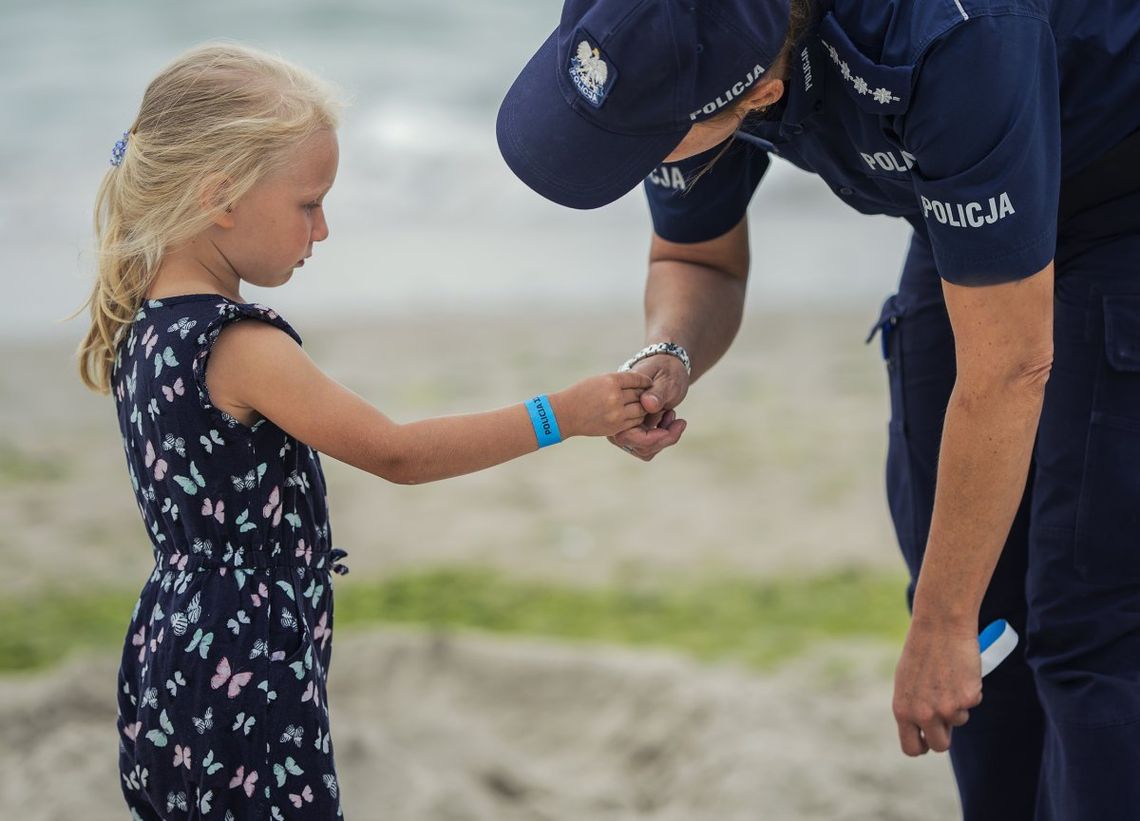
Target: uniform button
[845,191]
[796,129]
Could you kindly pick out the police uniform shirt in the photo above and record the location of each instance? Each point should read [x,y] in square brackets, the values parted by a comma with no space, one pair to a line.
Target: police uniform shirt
[961,117]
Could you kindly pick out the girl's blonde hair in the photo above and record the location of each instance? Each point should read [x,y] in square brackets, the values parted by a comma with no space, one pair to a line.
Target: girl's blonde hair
[210,126]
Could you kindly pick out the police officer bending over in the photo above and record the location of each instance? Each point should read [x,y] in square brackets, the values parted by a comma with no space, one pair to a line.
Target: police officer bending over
[1008,135]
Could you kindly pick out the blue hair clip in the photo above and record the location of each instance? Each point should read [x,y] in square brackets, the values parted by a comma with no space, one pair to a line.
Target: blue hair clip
[119,150]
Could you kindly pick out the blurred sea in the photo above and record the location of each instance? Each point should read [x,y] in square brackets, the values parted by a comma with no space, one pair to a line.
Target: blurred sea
[425,216]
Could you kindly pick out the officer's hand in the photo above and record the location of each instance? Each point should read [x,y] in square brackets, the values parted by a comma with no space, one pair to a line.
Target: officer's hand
[661,428]
[937,681]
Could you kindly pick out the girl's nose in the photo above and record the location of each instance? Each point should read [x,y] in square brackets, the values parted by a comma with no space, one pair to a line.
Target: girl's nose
[320,227]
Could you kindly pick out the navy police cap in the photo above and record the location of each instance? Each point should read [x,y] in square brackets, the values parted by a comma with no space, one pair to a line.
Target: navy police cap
[619,83]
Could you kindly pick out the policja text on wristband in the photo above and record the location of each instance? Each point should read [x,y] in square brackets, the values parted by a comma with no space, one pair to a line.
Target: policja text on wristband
[542,418]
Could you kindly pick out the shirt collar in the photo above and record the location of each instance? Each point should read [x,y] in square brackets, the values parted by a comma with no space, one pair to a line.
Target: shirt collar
[806,79]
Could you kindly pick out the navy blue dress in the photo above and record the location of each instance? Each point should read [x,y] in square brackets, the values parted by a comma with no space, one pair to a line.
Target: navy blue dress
[222,710]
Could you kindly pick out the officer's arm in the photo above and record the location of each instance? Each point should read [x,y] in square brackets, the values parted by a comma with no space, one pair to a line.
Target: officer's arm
[1003,344]
[1003,341]
[698,270]
[694,295]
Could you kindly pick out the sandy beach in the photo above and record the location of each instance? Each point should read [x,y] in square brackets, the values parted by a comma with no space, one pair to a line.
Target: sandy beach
[779,474]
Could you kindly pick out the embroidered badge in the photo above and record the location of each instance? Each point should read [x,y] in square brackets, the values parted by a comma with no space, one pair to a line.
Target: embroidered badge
[592,76]
[882,96]
[875,88]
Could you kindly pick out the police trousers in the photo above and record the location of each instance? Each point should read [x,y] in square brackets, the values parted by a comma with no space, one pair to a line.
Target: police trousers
[1057,735]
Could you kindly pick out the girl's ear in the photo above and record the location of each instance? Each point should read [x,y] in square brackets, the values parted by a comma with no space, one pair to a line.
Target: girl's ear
[213,197]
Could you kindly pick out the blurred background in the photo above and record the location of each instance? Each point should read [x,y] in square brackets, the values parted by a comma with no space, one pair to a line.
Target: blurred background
[576,635]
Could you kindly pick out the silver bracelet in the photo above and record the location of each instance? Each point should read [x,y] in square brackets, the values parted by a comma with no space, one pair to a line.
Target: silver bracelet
[670,348]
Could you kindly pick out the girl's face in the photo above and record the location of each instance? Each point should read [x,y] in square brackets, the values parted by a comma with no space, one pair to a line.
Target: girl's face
[274,226]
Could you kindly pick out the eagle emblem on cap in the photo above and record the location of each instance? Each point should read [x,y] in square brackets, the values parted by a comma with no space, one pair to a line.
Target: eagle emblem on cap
[590,73]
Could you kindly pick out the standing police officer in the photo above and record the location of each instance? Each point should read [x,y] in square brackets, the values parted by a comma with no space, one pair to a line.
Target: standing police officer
[1008,135]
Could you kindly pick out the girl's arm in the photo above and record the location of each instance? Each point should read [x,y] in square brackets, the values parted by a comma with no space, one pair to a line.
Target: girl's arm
[256,370]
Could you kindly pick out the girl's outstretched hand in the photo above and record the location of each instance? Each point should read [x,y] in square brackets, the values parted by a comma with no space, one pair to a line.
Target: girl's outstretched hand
[601,405]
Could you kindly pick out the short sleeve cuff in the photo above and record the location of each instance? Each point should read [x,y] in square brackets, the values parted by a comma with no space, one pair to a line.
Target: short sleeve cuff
[703,197]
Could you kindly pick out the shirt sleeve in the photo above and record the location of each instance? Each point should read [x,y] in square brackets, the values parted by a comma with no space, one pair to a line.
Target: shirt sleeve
[704,196]
[984,127]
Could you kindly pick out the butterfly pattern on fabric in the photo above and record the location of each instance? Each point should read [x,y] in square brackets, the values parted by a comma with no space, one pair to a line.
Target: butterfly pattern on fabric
[222,686]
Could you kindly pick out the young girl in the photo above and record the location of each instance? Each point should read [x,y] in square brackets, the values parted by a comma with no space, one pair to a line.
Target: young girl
[220,181]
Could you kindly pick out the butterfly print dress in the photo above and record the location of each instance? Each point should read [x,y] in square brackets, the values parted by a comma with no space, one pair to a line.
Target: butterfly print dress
[222,711]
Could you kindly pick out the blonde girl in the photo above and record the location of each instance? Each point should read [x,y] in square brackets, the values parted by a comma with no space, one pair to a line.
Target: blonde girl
[221,180]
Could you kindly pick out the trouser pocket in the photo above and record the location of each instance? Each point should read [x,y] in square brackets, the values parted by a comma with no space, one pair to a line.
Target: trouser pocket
[917,344]
[900,495]
[918,347]
[1108,511]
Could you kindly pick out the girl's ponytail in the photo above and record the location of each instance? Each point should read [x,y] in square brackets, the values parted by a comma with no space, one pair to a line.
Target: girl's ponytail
[124,276]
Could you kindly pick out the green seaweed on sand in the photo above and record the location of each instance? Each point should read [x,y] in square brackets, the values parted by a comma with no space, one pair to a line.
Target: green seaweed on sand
[755,621]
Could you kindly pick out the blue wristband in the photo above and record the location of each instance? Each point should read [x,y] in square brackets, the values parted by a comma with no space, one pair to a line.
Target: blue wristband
[542,418]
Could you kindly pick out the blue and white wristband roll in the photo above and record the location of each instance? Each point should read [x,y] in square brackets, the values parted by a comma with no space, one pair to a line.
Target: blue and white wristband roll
[995,643]
[542,418]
